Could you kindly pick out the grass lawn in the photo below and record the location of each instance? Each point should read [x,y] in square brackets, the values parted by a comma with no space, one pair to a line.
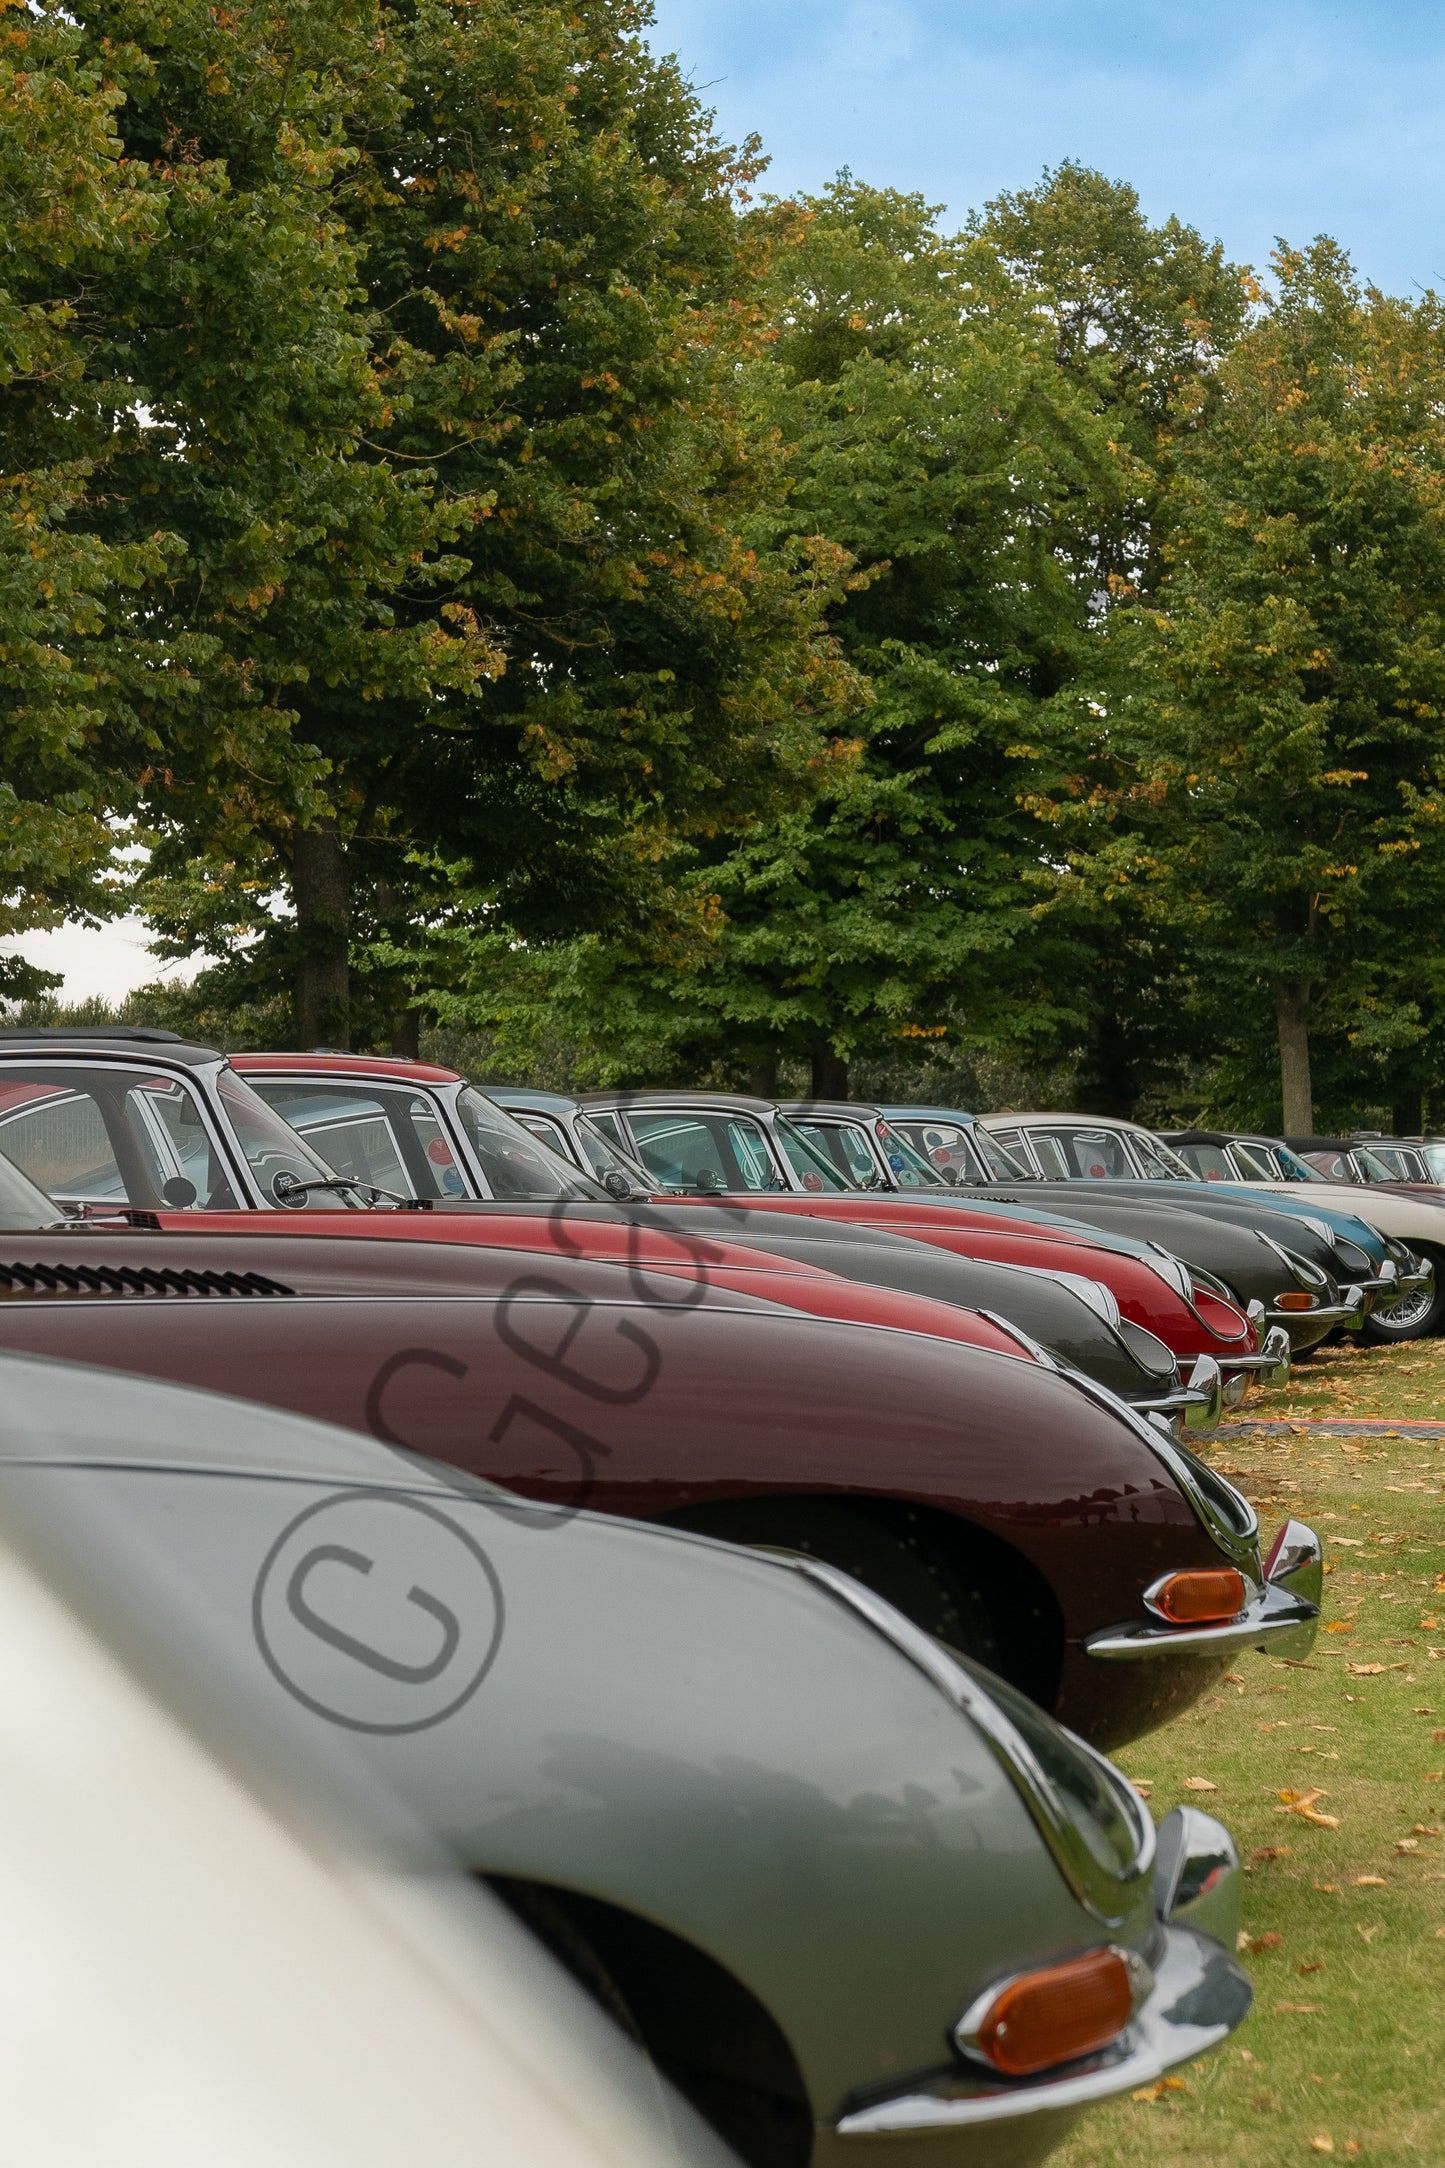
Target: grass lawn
[1343,2053]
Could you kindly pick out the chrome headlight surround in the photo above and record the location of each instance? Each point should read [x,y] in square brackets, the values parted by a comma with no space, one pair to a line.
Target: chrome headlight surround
[1111,1897]
[1300,1270]
[1225,1512]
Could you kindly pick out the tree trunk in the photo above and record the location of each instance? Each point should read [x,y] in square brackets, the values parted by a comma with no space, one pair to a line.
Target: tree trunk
[321,891]
[1407,1115]
[1292,1012]
[830,1072]
[763,1077]
[404,1025]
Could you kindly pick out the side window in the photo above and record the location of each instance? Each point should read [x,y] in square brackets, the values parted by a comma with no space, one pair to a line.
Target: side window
[611,1127]
[844,1150]
[1210,1161]
[161,1113]
[1092,1154]
[59,1139]
[752,1157]
[689,1151]
[105,1137]
[1049,1153]
[546,1131]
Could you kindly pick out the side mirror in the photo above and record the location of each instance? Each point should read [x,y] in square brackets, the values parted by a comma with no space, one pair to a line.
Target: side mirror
[617,1185]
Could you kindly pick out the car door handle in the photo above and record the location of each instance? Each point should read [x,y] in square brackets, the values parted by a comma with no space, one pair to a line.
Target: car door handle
[337,1554]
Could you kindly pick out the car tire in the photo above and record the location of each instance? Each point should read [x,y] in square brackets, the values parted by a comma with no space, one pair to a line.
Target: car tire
[1418,1317]
[695,2023]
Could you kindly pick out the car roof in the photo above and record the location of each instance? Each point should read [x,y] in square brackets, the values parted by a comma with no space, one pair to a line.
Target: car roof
[904,1111]
[519,1095]
[76,1042]
[722,1102]
[843,1109]
[1319,1144]
[322,1061]
[1077,1121]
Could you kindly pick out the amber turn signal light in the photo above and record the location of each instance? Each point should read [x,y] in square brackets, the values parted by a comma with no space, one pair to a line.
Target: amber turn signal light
[1293,1301]
[1198,1595]
[1051,2016]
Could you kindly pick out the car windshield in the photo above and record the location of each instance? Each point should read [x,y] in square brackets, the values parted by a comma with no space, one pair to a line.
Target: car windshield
[584,1144]
[1159,1161]
[274,1152]
[390,1135]
[1271,1162]
[1372,1167]
[709,1151]
[99,1137]
[517,1164]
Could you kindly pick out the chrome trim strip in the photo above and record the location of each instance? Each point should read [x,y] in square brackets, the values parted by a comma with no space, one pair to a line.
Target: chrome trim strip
[1200,1996]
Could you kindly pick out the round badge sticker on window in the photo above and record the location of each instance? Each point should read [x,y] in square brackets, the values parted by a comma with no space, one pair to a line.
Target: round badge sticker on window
[439,1152]
[812,1181]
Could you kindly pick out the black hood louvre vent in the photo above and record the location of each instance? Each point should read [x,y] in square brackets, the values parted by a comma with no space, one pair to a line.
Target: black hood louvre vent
[39,1279]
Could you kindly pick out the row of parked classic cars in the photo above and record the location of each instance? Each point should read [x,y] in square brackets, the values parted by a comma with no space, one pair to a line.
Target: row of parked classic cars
[733,1532]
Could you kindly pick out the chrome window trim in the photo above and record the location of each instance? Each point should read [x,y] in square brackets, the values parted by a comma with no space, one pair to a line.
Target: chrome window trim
[1110,1898]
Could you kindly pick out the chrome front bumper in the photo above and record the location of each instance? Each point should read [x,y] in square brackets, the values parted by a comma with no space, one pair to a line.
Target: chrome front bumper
[1198,1996]
[1350,1311]
[1282,1613]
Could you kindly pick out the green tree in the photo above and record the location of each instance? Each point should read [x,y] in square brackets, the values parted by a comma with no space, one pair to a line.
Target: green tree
[1141,317]
[557,297]
[931,435]
[76,648]
[1281,789]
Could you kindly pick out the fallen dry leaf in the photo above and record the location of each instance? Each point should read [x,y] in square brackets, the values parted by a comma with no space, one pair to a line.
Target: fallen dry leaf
[1301,2009]
[1317,1966]
[1199,1784]
[1364,1671]
[1368,1934]
[1406,1845]
[1370,1881]
[1426,1829]
[1159,2088]
[1328,1889]
[1142,1785]
[1322,2144]
[1270,1941]
[1271,1851]
[1342,1626]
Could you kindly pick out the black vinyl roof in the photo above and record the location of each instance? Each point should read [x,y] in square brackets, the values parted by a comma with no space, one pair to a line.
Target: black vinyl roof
[76,1039]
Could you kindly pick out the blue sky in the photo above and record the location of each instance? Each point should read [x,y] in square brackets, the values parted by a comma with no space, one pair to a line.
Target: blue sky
[1248,121]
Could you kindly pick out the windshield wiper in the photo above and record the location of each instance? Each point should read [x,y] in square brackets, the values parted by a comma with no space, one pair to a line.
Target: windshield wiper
[289,1188]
